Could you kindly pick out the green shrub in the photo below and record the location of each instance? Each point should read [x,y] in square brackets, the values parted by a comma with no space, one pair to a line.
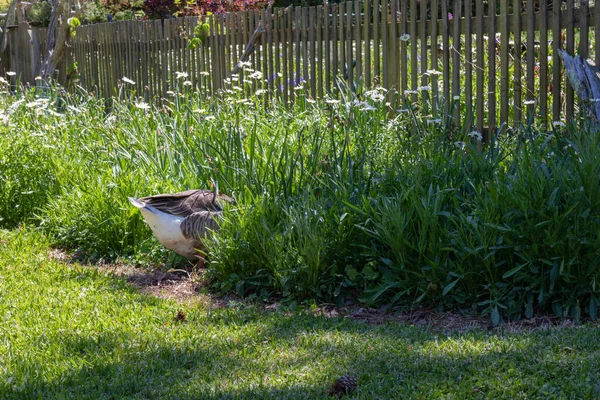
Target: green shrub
[39,13]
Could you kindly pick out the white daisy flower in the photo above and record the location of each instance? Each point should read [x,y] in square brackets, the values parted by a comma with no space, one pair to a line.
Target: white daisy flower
[477,135]
[127,80]
[142,105]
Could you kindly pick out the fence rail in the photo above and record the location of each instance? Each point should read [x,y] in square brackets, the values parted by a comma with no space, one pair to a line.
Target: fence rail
[493,61]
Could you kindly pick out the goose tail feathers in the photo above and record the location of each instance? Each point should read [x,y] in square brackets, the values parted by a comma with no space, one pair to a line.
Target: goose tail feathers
[136,202]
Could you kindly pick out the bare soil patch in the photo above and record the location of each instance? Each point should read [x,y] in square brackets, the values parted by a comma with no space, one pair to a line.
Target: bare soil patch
[187,287]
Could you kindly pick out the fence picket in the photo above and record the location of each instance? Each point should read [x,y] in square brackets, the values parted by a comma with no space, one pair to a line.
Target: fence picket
[358,41]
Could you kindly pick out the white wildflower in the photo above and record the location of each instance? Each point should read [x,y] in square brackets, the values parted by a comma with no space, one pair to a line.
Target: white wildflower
[200,110]
[187,83]
[529,102]
[11,73]
[4,81]
[405,37]
[558,124]
[256,75]
[407,92]
[434,121]
[433,72]
[245,64]
[456,97]
[180,75]
[127,80]
[477,135]
[332,101]
[260,92]
[210,118]
[311,101]
[170,93]
[236,88]
[460,145]
[205,73]
[299,87]
[368,107]
[142,105]
[424,88]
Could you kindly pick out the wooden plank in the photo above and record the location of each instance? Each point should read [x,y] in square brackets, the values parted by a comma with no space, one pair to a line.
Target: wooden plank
[164,58]
[530,54]
[342,39]
[517,70]
[143,55]
[456,70]
[349,68]
[424,55]
[584,24]
[312,76]
[570,33]
[394,53]
[270,54]
[446,55]
[479,108]
[491,72]
[290,45]
[358,43]
[215,59]
[468,52]
[305,72]
[376,42]
[543,54]
[328,21]
[334,47]
[384,45]
[504,58]
[282,84]
[318,26]
[229,41]
[414,68]
[434,53]
[265,51]
[556,64]
[282,17]
[404,47]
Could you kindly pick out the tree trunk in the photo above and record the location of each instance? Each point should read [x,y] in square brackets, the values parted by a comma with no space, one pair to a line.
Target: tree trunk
[584,77]
[58,35]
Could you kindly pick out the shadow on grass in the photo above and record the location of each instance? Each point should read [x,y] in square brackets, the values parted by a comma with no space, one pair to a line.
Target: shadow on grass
[137,350]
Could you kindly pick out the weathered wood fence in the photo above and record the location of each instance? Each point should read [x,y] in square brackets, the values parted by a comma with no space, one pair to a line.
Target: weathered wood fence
[494,61]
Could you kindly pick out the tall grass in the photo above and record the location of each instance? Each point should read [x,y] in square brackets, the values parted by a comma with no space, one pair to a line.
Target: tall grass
[335,199]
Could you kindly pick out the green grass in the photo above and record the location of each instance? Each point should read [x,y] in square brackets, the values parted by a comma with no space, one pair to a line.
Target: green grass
[334,200]
[70,331]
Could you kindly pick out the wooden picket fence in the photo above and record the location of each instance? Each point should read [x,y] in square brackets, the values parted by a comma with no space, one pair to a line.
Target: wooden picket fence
[488,62]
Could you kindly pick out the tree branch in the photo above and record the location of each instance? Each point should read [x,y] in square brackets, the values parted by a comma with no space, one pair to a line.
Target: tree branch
[250,46]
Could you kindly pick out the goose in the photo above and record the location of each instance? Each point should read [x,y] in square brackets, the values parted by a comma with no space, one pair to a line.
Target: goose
[181,221]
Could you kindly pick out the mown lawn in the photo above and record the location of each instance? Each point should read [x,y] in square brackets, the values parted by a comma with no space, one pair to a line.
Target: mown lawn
[68,331]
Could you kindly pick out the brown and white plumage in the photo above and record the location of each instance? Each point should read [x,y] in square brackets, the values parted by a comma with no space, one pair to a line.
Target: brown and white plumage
[181,221]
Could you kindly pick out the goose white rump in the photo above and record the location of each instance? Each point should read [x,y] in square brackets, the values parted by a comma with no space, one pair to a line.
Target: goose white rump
[182,220]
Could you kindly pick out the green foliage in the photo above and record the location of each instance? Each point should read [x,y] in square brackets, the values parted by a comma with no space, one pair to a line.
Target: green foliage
[39,13]
[94,12]
[335,201]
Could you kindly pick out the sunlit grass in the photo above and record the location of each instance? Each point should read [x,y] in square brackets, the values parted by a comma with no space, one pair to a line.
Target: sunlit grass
[70,331]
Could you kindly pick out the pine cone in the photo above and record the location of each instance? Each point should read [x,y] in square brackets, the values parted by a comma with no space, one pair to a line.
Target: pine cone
[343,385]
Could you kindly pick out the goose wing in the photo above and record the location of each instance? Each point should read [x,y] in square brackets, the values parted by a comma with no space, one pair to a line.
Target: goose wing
[186,203]
[197,225]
